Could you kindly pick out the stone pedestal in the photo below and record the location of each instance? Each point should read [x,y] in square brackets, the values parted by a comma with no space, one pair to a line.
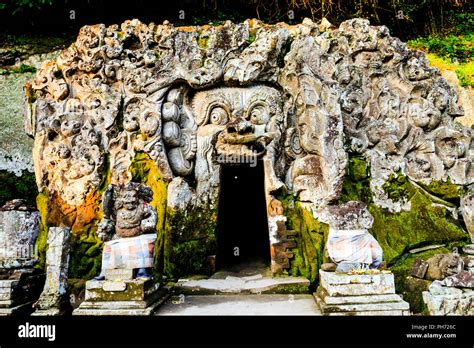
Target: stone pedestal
[366,294]
[121,297]
[19,290]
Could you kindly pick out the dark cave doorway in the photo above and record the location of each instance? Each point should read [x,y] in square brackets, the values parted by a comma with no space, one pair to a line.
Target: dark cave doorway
[242,228]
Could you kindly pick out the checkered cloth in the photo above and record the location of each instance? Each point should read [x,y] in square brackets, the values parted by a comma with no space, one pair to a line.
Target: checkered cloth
[129,253]
[353,246]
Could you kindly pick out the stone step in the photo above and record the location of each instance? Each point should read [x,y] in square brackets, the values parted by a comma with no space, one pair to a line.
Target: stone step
[358,308]
[342,300]
[244,285]
[121,306]
[23,309]
[371,313]
[273,304]
[116,310]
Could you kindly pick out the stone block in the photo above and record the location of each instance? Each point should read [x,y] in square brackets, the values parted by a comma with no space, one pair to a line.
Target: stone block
[18,232]
[400,305]
[133,290]
[15,293]
[468,249]
[389,304]
[441,266]
[339,284]
[419,268]
[365,294]
[463,279]
[461,303]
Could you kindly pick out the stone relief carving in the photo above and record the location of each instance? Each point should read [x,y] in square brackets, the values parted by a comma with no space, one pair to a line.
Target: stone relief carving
[300,97]
[127,228]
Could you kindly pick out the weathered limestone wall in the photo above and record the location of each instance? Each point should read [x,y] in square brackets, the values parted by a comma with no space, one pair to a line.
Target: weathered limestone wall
[15,145]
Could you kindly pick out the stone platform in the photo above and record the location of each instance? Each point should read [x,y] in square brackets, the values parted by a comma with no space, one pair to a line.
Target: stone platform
[19,291]
[237,305]
[365,294]
[122,297]
[253,284]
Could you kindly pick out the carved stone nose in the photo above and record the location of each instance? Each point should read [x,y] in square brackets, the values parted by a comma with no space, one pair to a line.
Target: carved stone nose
[240,126]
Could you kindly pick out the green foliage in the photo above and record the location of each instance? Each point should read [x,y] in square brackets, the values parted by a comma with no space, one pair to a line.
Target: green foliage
[465,73]
[398,188]
[18,70]
[12,186]
[445,190]
[20,5]
[454,47]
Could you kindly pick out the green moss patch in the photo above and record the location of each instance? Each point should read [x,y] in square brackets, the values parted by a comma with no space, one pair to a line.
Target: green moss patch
[445,190]
[190,238]
[397,233]
[42,205]
[310,239]
[86,252]
[145,171]
[12,187]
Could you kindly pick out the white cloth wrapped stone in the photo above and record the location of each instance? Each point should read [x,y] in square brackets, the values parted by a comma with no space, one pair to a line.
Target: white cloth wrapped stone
[129,253]
[353,246]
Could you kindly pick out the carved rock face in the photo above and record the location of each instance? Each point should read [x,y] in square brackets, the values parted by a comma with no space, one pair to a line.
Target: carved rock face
[241,114]
[298,98]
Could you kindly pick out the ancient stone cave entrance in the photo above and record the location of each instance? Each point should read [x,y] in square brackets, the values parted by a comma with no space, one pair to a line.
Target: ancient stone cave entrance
[242,231]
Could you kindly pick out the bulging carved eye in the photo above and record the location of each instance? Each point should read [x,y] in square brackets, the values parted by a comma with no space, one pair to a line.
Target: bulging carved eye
[219,116]
[259,115]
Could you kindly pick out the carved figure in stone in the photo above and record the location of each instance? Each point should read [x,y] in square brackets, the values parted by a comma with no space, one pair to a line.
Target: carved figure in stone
[350,245]
[128,229]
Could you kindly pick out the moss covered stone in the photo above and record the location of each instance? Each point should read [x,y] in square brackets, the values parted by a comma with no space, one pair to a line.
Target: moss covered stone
[445,190]
[86,252]
[310,239]
[397,233]
[42,205]
[190,238]
[13,186]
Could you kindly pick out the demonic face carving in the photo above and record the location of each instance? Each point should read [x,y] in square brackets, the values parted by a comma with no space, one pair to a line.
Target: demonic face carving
[241,114]
[129,199]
